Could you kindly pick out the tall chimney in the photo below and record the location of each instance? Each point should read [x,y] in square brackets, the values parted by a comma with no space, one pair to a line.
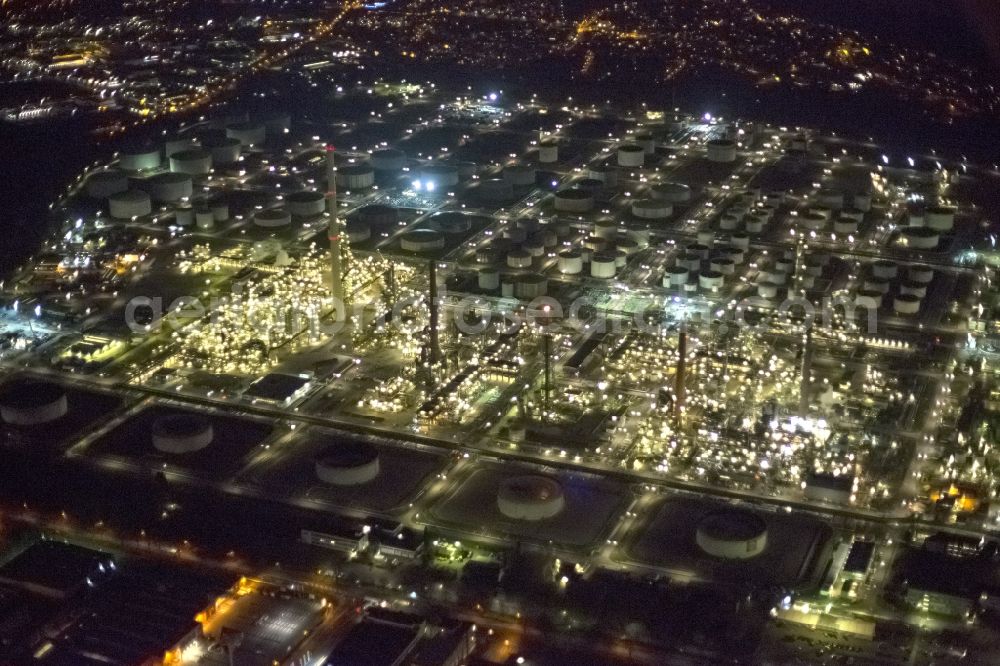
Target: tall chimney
[336,259]
[435,347]
[805,380]
[681,377]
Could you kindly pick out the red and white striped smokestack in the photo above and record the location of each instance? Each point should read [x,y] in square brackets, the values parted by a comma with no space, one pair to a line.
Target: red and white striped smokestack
[334,233]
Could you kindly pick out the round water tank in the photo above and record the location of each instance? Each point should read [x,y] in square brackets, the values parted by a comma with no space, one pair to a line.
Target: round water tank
[920,238]
[102,184]
[355,177]
[906,304]
[169,187]
[388,159]
[721,150]
[128,204]
[676,277]
[572,200]
[548,152]
[422,240]
[181,433]
[530,286]
[671,192]
[602,265]
[652,209]
[438,177]
[519,258]
[349,463]
[605,173]
[139,159]
[306,203]
[940,218]
[519,175]
[249,133]
[489,279]
[885,269]
[27,402]
[570,262]
[194,162]
[530,497]
[631,155]
[710,280]
[732,534]
[496,189]
[868,298]
[272,218]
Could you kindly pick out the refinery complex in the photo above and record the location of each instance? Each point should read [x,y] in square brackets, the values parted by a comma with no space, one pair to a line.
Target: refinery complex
[457,337]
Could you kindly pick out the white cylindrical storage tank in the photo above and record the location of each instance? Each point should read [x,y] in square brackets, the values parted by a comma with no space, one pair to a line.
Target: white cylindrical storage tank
[676,277]
[194,162]
[169,187]
[355,177]
[102,184]
[723,265]
[922,274]
[710,280]
[729,222]
[388,159]
[868,298]
[706,237]
[703,251]
[774,198]
[825,211]
[534,246]
[673,193]
[830,198]
[646,140]
[740,240]
[885,269]
[852,214]
[27,402]
[606,173]
[767,290]
[721,150]
[572,200]
[690,261]
[421,240]
[532,285]
[519,258]
[223,149]
[438,177]
[249,134]
[918,289]
[845,225]
[602,265]
[920,238]
[631,155]
[548,152]
[515,234]
[496,189]
[530,497]
[939,218]
[139,159]
[862,202]
[755,224]
[652,209]
[735,253]
[489,279]
[877,284]
[204,219]
[732,534]
[272,218]
[349,463]
[507,287]
[906,304]
[306,203]
[519,175]
[128,204]
[620,259]
[626,245]
[606,229]
[813,221]
[183,216]
[177,144]
[595,243]
[570,262]
[357,231]
[220,210]
[640,236]
[178,434]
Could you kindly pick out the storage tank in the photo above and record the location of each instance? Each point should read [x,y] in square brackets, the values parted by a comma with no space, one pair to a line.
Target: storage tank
[646,140]
[918,289]
[732,534]
[723,265]
[671,192]
[740,240]
[813,221]
[923,274]
[438,177]
[631,155]
[919,238]
[885,269]
[729,222]
[388,159]
[28,402]
[489,279]
[606,173]
[378,216]
[721,150]
[519,258]
[357,231]
[529,286]
[178,434]
[710,280]
[830,198]
[845,225]
[530,497]
[178,143]
[519,175]
[754,224]
[128,204]
[421,240]
[570,262]
[452,222]
[768,290]
[862,202]
[548,152]
[496,189]
[306,203]
[572,200]
[868,298]
[676,277]
[184,216]
[534,246]
[652,209]
[940,218]
[223,149]
[249,133]
[606,229]
[203,219]
[139,158]
[169,187]
[602,265]
[348,463]
[194,162]
[626,245]
[102,184]
[220,209]
[355,177]
[906,304]
[272,218]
